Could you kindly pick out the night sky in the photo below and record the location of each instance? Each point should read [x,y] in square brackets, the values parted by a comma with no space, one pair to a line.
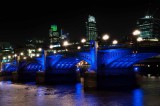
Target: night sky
[32,20]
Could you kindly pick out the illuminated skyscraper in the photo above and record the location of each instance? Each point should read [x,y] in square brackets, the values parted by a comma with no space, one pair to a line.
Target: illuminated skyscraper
[54,35]
[91,30]
[57,36]
[149,27]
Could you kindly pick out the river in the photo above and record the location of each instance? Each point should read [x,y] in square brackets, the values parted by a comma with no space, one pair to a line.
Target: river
[30,94]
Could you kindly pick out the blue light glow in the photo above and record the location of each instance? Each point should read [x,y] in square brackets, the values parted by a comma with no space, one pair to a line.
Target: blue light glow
[9,67]
[78,69]
[136,69]
[137,97]
[79,88]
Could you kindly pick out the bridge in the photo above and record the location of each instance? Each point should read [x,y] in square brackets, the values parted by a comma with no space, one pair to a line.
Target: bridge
[111,58]
[111,61]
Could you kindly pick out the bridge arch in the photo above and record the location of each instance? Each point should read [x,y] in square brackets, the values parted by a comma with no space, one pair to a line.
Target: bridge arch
[129,60]
[66,65]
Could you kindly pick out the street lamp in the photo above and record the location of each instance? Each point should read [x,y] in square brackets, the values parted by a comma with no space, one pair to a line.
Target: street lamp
[83,40]
[105,37]
[21,53]
[37,55]
[51,46]
[4,58]
[24,58]
[9,57]
[139,39]
[114,42]
[65,43]
[39,49]
[79,47]
[15,55]
[136,33]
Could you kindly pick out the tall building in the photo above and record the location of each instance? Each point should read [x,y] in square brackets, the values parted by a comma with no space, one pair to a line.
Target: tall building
[57,36]
[54,35]
[149,27]
[91,30]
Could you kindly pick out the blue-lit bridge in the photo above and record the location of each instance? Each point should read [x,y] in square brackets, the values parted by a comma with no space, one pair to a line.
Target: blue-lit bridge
[117,61]
[112,58]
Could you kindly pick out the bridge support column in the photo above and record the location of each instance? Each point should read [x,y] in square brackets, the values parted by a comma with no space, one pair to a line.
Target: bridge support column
[90,80]
[1,76]
[93,53]
[78,77]
[90,77]
[5,76]
[15,76]
[40,77]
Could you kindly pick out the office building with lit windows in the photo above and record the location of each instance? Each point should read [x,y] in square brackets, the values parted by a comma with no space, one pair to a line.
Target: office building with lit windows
[91,30]
[57,36]
[149,27]
[54,35]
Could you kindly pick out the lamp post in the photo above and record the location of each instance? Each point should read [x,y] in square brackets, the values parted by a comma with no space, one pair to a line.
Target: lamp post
[105,38]
[114,42]
[39,49]
[139,39]
[136,34]
[51,46]
[78,47]
[65,44]
[83,40]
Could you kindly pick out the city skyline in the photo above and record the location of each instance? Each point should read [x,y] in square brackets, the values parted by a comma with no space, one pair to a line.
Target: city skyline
[116,19]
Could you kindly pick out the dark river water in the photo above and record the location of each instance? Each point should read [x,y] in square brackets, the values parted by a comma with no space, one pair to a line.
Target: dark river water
[30,94]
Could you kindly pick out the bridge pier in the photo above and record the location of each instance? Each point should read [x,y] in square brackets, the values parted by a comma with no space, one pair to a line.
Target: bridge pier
[40,77]
[1,76]
[78,77]
[15,76]
[90,80]
[5,75]
[90,77]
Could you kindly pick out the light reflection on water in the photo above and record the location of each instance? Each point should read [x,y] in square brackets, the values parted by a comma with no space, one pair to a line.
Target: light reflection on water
[137,97]
[73,95]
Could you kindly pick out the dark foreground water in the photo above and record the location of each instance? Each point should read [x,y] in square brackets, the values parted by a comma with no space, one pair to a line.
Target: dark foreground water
[73,95]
